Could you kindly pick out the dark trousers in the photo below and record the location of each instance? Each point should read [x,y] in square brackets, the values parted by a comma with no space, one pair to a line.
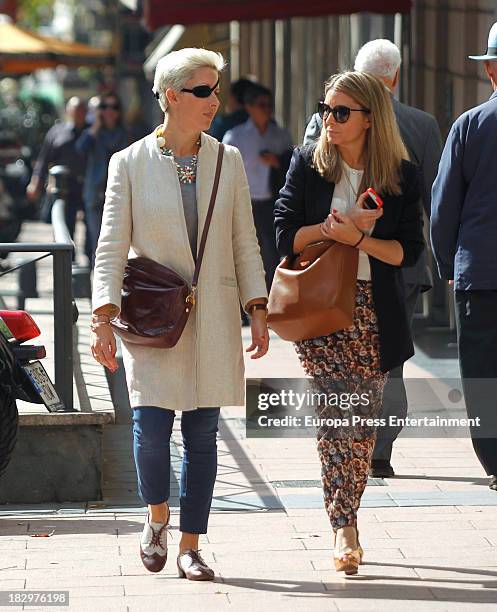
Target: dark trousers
[394,392]
[476,320]
[93,218]
[152,427]
[262,211]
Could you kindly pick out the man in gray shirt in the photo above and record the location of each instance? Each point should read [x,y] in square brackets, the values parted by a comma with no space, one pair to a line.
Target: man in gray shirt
[423,141]
[266,150]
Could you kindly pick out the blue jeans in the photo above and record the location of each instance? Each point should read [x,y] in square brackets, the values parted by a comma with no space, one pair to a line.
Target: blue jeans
[152,427]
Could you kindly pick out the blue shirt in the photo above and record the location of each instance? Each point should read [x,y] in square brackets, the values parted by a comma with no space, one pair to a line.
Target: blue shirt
[250,142]
[464,201]
[98,150]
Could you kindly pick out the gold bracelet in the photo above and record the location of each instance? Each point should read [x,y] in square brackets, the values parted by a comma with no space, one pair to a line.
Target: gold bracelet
[95,326]
[96,318]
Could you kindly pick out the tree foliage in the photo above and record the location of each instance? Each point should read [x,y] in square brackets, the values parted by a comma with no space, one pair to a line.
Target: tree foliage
[33,13]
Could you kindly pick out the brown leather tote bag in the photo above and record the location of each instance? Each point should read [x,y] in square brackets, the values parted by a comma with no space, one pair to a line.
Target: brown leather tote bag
[313,293]
[155,300]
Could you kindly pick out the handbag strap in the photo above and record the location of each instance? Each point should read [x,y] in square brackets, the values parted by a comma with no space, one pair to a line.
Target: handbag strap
[208,218]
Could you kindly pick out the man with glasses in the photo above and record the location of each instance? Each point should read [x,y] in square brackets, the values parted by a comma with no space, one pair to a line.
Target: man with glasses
[266,150]
[59,147]
[423,141]
[106,136]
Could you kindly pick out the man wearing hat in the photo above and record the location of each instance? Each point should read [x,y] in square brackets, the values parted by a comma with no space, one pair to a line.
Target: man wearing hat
[464,240]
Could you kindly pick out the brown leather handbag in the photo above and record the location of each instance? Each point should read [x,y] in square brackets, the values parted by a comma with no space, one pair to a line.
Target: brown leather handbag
[313,293]
[155,300]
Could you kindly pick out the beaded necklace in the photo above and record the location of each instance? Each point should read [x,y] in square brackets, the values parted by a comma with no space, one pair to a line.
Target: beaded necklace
[186,174]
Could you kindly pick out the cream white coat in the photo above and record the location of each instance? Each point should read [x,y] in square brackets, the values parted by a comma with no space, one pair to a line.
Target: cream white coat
[143,216]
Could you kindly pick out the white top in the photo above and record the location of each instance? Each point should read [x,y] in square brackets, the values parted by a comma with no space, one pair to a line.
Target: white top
[344,199]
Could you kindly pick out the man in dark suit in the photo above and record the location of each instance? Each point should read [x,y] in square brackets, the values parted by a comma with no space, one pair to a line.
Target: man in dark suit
[421,136]
[463,236]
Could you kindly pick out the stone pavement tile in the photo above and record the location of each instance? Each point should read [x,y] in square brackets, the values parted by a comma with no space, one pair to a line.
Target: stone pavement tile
[489,534]
[231,534]
[178,603]
[390,602]
[13,527]
[78,592]
[461,574]
[325,542]
[322,528]
[172,585]
[292,602]
[88,604]
[430,513]
[478,511]
[486,559]
[11,585]
[428,530]
[463,594]
[437,548]
[251,544]
[484,523]
[264,562]
[12,545]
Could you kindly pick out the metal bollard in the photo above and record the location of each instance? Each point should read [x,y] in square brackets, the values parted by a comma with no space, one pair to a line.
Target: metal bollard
[27,284]
[81,285]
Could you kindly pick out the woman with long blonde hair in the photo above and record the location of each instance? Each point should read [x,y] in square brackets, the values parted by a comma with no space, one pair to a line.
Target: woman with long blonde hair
[325,198]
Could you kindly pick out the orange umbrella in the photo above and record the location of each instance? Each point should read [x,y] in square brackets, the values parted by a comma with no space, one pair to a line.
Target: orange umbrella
[22,51]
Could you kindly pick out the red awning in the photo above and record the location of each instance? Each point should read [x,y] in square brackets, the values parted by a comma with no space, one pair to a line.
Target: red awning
[158,13]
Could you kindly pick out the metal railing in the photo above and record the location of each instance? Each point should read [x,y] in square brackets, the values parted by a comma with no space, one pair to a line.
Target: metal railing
[62,251]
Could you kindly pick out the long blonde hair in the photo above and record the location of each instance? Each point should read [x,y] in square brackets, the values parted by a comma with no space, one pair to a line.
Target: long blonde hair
[384,149]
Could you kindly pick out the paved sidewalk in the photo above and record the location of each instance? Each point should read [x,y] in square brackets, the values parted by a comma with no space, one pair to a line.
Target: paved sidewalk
[429,535]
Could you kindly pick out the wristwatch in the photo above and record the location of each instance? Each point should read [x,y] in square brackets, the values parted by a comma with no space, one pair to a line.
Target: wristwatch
[255,307]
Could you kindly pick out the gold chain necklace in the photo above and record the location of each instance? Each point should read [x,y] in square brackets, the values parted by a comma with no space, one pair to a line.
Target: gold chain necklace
[187,174]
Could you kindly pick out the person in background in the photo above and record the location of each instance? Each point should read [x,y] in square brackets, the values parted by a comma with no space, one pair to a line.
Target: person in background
[236,110]
[106,136]
[463,233]
[421,135]
[266,150]
[59,147]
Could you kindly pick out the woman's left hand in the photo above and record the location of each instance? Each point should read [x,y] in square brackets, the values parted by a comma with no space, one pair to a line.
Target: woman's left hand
[260,335]
[341,228]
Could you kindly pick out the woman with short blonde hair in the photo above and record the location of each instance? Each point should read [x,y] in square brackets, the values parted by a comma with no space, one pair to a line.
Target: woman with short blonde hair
[156,205]
[325,198]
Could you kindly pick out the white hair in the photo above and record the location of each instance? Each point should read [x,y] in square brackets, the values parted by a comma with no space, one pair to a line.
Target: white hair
[380,57]
[176,68]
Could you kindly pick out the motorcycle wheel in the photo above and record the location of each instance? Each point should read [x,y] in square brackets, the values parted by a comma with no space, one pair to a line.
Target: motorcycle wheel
[9,419]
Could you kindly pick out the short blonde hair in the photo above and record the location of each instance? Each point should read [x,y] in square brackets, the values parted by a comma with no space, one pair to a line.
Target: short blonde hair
[175,69]
[384,149]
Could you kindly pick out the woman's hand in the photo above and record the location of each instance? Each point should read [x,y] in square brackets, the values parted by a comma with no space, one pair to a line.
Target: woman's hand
[341,228]
[260,334]
[363,218]
[103,346]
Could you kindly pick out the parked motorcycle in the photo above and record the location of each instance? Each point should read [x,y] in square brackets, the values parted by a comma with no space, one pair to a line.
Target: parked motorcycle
[22,376]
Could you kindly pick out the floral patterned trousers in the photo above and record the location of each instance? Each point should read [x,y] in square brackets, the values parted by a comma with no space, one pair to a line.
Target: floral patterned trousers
[344,363]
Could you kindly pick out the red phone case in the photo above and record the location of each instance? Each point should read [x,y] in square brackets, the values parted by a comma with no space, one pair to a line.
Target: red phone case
[374,197]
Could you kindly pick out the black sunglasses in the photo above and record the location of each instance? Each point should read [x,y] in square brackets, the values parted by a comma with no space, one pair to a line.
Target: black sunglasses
[340,113]
[202,91]
[115,107]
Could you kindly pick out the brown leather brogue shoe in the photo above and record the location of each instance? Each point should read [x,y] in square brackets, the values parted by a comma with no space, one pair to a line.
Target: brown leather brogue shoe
[153,547]
[193,567]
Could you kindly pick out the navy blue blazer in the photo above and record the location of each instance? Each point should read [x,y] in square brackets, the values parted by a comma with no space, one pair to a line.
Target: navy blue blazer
[306,200]
[464,201]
